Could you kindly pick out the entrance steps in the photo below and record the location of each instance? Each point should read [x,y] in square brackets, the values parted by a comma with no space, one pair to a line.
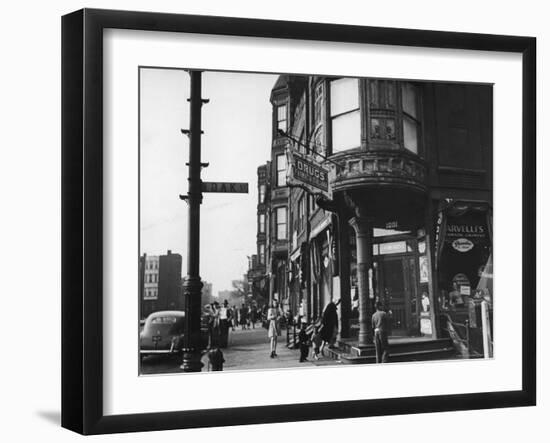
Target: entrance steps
[402,349]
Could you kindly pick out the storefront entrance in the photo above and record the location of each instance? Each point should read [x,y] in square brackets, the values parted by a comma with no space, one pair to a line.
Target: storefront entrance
[397,287]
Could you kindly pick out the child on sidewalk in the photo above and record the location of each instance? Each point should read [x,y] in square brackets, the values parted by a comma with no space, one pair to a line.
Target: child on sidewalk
[316,341]
[304,342]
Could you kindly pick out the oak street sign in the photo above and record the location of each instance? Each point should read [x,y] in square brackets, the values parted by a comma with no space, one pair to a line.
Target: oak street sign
[238,188]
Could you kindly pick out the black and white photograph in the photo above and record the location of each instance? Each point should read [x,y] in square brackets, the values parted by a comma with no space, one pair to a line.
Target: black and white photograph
[297,221]
[291,220]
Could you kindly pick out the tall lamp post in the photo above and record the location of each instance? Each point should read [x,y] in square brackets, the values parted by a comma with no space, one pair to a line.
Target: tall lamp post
[192,284]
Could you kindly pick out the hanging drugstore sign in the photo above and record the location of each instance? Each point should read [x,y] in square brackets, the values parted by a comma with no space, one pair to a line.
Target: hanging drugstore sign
[307,173]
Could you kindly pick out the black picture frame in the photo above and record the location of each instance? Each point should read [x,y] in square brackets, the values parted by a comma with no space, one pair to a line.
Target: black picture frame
[82,218]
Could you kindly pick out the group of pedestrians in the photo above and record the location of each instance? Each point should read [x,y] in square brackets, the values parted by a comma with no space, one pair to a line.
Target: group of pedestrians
[246,316]
[320,335]
[222,318]
[219,320]
[312,338]
[325,333]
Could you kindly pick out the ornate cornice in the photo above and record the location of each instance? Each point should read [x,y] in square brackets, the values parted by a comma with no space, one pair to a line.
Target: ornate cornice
[381,168]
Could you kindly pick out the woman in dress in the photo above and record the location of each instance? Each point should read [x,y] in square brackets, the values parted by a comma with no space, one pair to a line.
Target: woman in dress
[274,315]
[329,328]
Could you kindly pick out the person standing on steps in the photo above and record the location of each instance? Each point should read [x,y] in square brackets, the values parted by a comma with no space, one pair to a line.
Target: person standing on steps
[380,324]
[274,315]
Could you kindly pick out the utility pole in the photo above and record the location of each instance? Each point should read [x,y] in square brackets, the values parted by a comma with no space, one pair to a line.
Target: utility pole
[192,285]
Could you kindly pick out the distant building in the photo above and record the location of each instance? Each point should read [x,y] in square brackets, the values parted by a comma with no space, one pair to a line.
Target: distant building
[160,283]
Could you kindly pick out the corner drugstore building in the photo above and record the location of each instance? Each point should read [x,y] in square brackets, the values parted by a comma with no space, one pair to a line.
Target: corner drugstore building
[407,219]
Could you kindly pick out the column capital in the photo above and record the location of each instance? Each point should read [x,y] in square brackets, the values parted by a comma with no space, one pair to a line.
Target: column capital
[361,224]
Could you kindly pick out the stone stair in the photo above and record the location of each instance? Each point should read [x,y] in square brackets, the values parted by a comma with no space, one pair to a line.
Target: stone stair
[401,350]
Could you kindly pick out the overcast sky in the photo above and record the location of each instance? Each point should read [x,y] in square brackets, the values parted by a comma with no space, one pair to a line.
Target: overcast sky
[237,139]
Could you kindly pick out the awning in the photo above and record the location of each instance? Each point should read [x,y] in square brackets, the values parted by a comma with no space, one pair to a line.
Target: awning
[320,227]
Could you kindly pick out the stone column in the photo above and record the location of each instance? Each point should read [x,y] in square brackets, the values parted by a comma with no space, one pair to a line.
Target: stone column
[343,263]
[363,227]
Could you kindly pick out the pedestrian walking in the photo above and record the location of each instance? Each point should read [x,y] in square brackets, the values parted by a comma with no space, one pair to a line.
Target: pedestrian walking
[252,316]
[316,341]
[234,317]
[274,315]
[212,311]
[224,318]
[380,324]
[329,325]
[243,316]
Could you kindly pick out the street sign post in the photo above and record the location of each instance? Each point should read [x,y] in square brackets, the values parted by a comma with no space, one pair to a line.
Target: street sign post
[192,285]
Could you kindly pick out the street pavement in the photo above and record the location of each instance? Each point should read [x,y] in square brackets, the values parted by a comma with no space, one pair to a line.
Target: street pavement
[247,349]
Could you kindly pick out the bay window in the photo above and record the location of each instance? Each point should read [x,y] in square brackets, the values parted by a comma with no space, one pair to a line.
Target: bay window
[410,117]
[344,114]
[393,113]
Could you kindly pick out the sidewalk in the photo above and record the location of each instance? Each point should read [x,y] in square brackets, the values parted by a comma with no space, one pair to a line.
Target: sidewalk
[249,349]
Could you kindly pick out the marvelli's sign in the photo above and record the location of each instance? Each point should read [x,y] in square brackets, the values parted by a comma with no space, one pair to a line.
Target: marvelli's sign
[307,172]
[465,230]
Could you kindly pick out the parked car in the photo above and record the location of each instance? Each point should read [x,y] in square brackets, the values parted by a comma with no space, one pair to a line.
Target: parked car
[163,333]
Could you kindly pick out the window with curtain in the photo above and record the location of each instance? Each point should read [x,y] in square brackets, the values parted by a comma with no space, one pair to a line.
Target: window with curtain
[382,110]
[262,222]
[344,114]
[387,122]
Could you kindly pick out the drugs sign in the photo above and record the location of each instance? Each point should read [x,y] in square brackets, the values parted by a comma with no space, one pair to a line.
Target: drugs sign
[307,172]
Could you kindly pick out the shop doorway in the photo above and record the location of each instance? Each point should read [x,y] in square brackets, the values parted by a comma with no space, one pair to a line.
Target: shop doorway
[397,289]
